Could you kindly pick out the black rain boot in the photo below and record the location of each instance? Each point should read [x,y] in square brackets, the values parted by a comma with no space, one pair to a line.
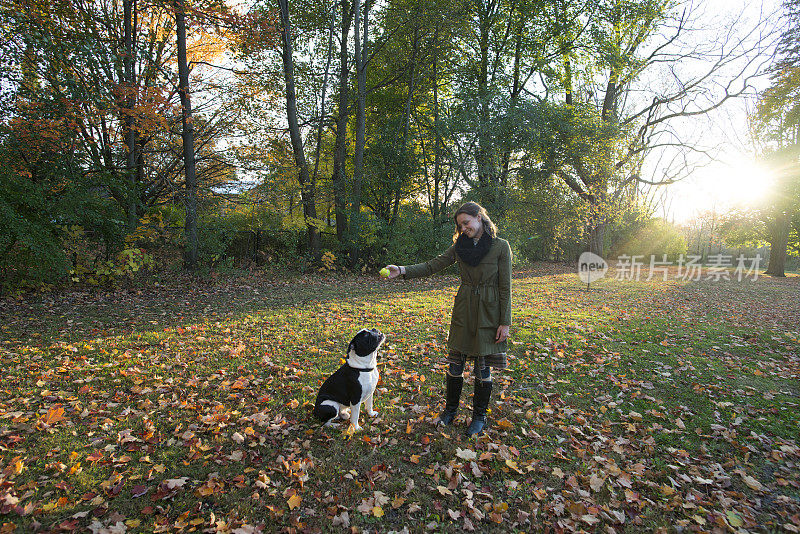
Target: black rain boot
[480,402]
[453,386]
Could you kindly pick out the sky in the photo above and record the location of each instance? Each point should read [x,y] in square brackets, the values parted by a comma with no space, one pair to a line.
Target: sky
[734,177]
[739,180]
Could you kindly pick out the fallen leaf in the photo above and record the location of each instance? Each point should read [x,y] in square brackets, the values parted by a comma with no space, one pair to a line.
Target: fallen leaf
[466,454]
[734,519]
[752,483]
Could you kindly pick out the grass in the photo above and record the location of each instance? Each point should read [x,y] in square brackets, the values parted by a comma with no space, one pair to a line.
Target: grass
[630,405]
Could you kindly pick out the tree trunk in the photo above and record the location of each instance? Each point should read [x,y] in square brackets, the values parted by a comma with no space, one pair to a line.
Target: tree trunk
[437,138]
[516,89]
[358,156]
[437,146]
[397,190]
[778,244]
[321,123]
[130,101]
[411,81]
[597,223]
[340,150]
[596,236]
[483,157]
[307,185]
[190,228]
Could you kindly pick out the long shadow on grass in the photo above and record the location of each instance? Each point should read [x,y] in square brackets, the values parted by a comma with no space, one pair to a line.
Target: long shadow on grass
[73,316]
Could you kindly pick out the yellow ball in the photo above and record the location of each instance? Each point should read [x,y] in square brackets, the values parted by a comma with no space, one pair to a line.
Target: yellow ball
[384,272]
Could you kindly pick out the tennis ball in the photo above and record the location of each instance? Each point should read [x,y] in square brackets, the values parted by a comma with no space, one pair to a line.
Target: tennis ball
[384,272]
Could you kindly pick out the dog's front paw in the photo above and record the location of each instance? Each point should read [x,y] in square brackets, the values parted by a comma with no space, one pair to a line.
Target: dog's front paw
[355,428]
[344,415]
[372,413]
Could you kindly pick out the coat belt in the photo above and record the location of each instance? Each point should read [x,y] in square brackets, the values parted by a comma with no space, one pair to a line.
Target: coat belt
[476,287]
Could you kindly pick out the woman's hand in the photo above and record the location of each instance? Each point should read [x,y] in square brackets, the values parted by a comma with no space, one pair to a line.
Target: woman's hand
[502,333]
[394,271]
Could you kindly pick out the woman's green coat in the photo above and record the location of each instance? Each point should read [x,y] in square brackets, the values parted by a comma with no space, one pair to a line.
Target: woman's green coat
[483,301]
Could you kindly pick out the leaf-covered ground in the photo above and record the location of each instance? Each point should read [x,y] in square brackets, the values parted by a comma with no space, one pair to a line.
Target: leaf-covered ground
[631,406]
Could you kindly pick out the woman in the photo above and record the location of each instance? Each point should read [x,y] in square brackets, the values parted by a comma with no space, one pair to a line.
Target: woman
[481,312]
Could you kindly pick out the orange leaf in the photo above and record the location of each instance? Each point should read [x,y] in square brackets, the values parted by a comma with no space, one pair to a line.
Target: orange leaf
[54,415]
[505,424]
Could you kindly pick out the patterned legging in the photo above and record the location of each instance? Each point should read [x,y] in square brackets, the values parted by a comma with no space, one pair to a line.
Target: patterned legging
[481,371]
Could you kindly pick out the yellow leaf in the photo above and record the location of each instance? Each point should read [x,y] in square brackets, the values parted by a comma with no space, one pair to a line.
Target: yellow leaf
[443,490]
[501,507]
[377,511]
[414,459]
[17,465]
[49,507]
[133,523]
[294,501]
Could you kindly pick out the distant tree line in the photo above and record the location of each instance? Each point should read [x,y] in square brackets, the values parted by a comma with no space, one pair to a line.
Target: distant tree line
[349,129]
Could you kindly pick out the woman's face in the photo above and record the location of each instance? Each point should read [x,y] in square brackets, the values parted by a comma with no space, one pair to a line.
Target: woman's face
[470,226]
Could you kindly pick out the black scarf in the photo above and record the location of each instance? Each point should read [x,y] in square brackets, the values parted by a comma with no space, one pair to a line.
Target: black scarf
[470,252]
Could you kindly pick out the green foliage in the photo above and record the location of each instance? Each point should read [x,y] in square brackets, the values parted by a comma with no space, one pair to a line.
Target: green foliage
[557,135]
[412,239]
[546,220]
[389,166]
[742,227]
[225,224]
[40,205]
[639,235]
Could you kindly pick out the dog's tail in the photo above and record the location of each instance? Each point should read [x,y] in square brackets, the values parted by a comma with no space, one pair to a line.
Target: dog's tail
[325,412]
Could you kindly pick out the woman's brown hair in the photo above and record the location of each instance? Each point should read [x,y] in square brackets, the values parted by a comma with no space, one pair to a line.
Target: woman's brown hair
[473,209]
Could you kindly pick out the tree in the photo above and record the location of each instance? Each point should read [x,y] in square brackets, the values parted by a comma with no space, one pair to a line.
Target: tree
[361,59]
[781,206]
[777,125]
[307,185]
[191,250]
[633,90]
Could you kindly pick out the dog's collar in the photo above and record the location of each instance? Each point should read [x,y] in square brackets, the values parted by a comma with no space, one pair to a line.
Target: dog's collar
[361,370]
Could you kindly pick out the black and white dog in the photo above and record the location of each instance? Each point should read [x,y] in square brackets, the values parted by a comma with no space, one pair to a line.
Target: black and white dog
[353,383]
